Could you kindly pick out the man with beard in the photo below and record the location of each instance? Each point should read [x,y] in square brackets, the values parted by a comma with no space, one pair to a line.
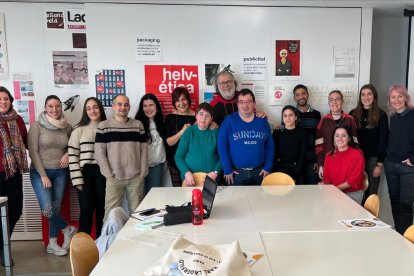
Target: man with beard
[308,119]
[225,103]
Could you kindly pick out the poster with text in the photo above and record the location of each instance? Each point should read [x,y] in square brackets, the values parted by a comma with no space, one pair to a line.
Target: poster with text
[23,86]
[75,19]
[70,67]
[148,47]
[254,68]
[109,83]
[280,95]
[288,60]
[4,62]
[345,62]
[162,79]
[55,20]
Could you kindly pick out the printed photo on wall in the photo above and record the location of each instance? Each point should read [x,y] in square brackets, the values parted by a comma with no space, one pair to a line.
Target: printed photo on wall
[287,58]
[211,71]
[70,67]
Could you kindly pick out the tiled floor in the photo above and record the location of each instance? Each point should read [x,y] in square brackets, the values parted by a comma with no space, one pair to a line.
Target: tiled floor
[31,258]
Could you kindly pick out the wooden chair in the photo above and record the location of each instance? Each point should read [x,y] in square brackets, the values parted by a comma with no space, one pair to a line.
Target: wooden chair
[372,204]
[199,178]
[84,254]
[409,233]
[278,178]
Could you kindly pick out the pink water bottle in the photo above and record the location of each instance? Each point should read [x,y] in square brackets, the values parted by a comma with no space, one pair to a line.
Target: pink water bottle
[197,207]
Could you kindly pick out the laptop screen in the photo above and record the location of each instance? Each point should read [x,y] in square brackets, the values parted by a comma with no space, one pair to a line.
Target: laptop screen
[209,193]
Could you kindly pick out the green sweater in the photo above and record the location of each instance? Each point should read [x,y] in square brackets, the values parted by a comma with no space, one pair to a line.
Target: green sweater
[197,151]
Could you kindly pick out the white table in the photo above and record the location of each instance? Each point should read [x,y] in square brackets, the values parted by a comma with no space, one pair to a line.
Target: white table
[376,253]
[270,220]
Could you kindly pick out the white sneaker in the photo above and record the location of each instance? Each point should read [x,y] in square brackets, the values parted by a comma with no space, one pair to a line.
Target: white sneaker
[54,248]
[68,233]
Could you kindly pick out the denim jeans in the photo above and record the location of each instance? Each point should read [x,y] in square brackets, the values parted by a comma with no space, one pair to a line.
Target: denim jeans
[400,181]
[50,199]
[247,177]
[154,178]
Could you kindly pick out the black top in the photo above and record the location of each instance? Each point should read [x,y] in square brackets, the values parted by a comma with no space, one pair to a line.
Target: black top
[309,121]
[290,149]
[173,124]
[373,141]
[401,137]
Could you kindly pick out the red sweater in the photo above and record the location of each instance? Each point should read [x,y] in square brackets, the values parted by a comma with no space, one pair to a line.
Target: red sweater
[23,133]
[345,166]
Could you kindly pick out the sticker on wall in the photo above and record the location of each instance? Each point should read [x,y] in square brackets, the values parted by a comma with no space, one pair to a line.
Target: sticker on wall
[71,103]
[287,57]
[109,83]
[79,40]
[55,20]
[4,62]
[161,80]
[70,67]
[75,19]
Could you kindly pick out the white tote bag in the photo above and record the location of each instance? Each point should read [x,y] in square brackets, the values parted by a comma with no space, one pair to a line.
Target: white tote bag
[202,260]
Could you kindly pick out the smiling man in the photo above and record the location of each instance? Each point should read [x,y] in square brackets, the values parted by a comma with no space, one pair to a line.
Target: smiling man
[245,144]
[121,151]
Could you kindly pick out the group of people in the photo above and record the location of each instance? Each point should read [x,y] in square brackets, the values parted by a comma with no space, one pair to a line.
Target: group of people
[228,139]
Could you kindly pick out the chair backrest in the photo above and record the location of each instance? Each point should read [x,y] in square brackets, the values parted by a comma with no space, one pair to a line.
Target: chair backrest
[409,233]
[372,204]
[83,254]
[278,178]
[199,178]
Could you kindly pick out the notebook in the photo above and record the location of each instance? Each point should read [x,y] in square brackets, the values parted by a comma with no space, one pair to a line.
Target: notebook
[209,193]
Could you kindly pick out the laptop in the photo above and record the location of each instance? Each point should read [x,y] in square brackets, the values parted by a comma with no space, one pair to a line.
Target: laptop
[209,193]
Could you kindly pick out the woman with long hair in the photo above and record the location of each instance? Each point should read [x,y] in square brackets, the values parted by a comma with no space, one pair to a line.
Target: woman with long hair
[344,165]
[176,124]
[372,132]
[399,162]
[48,144]
[13,144]
[290,145]
[150,114]
[327,125]
[85,173]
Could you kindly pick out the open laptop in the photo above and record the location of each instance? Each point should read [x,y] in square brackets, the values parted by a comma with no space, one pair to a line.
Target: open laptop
[209,193]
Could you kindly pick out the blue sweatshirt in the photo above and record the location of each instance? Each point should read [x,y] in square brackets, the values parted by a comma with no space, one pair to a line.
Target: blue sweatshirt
[245,145]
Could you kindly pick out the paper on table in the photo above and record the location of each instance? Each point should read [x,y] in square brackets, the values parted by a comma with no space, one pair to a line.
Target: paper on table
[151,237]
[364,224]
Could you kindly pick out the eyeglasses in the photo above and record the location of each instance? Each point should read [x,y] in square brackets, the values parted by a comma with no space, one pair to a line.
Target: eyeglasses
[204,115]
[223,83]
[245,102]
[336,100]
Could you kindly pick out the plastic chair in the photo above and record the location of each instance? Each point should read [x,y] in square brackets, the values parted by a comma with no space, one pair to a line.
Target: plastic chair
[409,233]
[365,184]
[83,254]
[199,178]
[278,178]
[372,204]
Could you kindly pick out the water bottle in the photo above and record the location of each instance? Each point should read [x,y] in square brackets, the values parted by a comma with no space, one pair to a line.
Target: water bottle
[197,207]
[174,271]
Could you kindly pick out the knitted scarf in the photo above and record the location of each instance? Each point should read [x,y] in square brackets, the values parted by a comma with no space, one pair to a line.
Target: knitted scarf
[14,151]
[50,123]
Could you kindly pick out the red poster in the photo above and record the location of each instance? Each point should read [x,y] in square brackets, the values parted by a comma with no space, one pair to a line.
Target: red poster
[287,54]
[161,80]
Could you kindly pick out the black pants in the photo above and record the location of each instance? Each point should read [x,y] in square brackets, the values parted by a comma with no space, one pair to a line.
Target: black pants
[92,198]
[13,189]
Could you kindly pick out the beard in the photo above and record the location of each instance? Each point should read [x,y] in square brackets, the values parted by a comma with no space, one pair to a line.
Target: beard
[229,94]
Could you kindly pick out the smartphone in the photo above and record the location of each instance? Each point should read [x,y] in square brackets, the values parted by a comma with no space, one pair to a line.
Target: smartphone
[150,212]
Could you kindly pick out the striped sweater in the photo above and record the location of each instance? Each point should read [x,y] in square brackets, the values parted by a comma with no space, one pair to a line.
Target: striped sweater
[121,149]
[81,150]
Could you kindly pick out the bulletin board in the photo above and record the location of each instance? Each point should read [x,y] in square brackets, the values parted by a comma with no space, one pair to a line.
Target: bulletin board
[334,47]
